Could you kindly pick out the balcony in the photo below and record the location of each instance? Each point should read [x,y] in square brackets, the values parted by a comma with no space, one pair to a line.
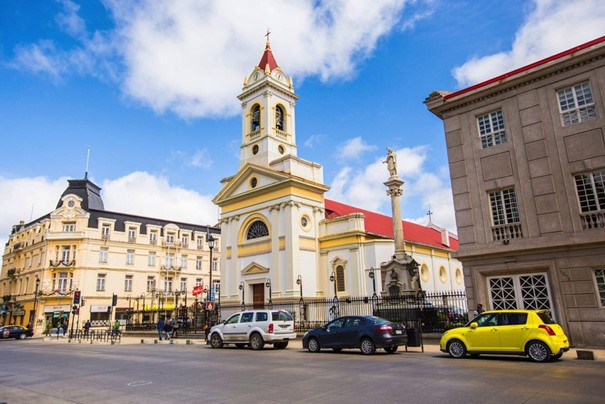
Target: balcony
[132,240]
[105,237]
[281,134]
[507,231]
[171,243]
[593,220]
[170,268]
[254,135]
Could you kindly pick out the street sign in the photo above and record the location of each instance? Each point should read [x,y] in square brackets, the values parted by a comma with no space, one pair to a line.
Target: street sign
[198,290]
[210,306]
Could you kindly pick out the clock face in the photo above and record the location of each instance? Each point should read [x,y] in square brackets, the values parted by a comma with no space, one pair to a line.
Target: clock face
[70,204]
[256,76]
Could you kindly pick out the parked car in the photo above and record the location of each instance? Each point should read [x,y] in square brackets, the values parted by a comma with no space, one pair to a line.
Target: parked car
[255,328]
[366,333]
[15,331]
[508,332]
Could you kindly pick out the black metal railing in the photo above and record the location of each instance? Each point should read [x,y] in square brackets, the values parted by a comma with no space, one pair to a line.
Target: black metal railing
[96,335]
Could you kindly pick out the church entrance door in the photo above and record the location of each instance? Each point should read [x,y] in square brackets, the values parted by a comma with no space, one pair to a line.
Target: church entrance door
[258,293]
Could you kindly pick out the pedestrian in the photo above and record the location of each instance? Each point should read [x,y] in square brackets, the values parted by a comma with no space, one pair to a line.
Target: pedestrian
[30,327]
[48,327]
[167,329]
[160,327]
[65,328]
[86,328]
[175,328]
[116,328]
[479,309]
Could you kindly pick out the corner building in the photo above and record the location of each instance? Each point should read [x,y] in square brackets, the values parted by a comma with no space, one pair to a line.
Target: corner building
[526,153]
[278,229]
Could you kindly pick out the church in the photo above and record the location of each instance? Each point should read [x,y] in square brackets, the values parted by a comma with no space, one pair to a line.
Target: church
[281,239]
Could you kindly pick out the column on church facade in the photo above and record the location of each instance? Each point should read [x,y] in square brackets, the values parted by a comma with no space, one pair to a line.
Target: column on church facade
[276,271]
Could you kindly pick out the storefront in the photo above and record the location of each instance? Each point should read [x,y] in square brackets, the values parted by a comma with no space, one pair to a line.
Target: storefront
[100,316]
[56,315]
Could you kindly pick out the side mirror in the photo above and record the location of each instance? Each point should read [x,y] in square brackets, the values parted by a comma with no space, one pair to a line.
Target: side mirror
[474,325]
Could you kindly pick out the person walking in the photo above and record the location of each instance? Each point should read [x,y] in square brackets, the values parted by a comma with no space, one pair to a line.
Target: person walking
[167,330]
[160,327]
[175,328]
[116,328]
[86,328]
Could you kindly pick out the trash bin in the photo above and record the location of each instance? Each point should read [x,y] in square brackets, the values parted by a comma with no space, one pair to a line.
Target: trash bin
[413,337]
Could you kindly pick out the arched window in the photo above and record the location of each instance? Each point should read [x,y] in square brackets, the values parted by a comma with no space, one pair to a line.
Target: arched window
[255,122]
[257,229]
[340,278]
[279,118]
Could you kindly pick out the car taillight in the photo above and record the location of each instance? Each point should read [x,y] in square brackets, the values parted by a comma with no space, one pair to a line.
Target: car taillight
[293,327]
[548,330]
[270,328]
[384,328]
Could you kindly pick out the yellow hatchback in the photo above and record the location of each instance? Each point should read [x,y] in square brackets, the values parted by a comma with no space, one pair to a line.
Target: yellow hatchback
[509,332]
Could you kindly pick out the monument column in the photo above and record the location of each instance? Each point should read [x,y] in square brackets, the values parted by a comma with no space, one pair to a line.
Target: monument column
[395,192]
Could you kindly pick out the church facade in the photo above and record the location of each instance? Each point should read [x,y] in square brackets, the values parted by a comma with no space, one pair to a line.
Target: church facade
[280,235]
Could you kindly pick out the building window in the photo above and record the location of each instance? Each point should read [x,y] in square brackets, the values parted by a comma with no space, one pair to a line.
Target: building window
[198,263]
[100,282]
[62,282]
[576,104]
[130,257]
[340,278]
[183,284]
[150,283]
[153,237]
[528,291]
[199,282]
[214,265]
[169,260]
[185,241]
[257,229]
[491,129]
[65,250]
[279,118]
[600,278]
[168,285]
[151,259]
[103,253]
[128,283]
[170,239]
[105,232]
[200,243]
[505,215]
[591,196]
[132,234]
[255,120]
[184,261]
[69,227]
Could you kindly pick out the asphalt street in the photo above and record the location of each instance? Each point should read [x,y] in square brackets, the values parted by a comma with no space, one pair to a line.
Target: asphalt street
[38,371]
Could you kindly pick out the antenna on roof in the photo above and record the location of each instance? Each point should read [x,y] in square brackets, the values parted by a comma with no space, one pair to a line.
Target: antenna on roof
[87,160]
[430,214]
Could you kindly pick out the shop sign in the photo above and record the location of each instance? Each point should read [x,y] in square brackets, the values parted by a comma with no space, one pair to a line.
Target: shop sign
[52,309]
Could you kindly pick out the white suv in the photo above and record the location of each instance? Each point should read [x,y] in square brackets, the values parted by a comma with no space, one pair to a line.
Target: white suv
[255,328]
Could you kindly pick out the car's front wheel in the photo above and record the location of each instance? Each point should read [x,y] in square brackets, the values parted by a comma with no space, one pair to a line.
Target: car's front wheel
[367,346]
[256,342]
[216,341]
[313,345]
[391,349]
[456,349]
[538,351]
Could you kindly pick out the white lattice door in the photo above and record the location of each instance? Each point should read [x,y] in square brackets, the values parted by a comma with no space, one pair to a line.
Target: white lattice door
[529,291]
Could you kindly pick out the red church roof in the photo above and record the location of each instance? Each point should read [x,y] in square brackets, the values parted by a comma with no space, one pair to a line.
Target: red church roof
[267,58]
[382,225]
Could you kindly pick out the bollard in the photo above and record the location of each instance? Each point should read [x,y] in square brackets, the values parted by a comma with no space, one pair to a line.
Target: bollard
[189,342]
[142,341]
[155,341]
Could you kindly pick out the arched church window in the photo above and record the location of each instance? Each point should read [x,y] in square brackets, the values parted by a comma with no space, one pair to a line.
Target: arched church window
[279,117]
[255,122]
[257,229]
[340,278]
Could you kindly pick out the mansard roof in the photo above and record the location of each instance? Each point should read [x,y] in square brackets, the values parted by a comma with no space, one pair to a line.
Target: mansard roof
[382,225]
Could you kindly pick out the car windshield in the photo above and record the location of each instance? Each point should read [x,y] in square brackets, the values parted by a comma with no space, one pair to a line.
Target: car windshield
[281,316]
[545,317]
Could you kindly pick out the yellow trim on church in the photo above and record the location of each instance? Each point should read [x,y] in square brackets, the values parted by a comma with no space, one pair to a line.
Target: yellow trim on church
[272,195]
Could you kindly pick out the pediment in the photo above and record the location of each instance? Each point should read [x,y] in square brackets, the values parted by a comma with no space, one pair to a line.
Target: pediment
[254,268]
[250,179]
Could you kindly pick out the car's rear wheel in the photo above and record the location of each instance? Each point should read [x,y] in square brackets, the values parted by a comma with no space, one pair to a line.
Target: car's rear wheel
[240,345]
[391,349]
[216,341]
[256,342]
[313,345]
[367,346]
[280,345]
[456,349]
[538,351]
[22,336]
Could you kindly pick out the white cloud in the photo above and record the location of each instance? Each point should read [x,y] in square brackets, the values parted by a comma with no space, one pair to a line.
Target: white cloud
[353,148]
[551,27]
[201,158]
[364,188]
[138,193]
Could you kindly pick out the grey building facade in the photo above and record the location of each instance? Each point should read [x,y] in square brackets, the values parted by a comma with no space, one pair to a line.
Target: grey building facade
[526,154]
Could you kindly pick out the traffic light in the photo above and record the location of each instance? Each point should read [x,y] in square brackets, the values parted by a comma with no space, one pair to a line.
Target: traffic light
[77,297]
[114,300]
[75,310]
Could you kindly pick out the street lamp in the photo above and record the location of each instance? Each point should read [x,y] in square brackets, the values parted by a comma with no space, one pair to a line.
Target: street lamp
[299,283]
[35,301]
[211,243]
[372,277]
[268,285]
[334,308]
[241,287]
[333,279]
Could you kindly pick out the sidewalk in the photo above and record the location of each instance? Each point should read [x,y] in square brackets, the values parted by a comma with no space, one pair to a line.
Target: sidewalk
[431,347]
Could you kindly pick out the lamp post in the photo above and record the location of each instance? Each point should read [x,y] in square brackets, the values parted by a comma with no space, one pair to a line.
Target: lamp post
[333,280]
[268,285]
[334,307]
[35,302]
[241,287]
[372,277]
[211,242]
[143,313]
[299,283]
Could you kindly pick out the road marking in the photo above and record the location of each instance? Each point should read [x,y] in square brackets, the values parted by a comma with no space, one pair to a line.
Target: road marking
[138,384]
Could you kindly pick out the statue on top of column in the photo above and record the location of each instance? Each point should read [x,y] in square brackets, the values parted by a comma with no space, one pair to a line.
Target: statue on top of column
[391,162]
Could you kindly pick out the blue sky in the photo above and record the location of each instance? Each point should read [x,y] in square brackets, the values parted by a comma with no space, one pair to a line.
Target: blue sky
[150,86]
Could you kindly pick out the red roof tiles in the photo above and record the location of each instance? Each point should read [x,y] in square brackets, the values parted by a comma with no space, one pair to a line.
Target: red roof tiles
[382,225]
[267,58]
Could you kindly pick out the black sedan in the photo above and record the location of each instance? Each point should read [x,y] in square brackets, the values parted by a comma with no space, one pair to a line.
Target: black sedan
[364,332]
[15,331]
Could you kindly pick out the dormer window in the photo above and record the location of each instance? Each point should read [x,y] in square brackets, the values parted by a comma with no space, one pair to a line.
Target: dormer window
[255,122]
[279,118]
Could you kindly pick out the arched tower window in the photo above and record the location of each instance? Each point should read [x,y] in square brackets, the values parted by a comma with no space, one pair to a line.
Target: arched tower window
[257,229]
[279,118]
[255,121]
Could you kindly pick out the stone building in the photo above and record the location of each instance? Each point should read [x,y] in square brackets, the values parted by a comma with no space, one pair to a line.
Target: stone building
[526,153]
[278,230]
[151,265]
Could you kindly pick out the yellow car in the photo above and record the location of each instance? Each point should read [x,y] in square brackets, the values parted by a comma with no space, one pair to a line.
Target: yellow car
[509,332]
